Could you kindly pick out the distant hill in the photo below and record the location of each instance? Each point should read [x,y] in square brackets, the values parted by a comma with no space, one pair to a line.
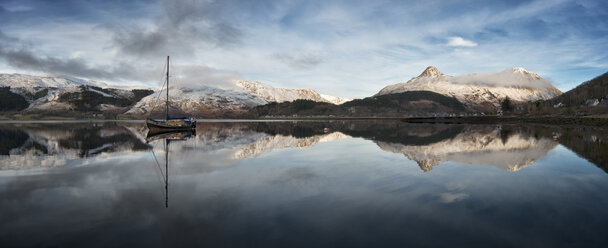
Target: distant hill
[422,101]
[589,97]
[595,88]
[410,103]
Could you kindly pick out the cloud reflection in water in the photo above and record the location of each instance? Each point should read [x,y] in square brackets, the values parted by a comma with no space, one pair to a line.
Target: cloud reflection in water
[253,184]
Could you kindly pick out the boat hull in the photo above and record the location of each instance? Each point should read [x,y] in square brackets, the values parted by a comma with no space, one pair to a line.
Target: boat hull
[172,125]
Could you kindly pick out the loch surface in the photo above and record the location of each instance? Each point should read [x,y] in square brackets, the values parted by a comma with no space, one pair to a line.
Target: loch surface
[303,184]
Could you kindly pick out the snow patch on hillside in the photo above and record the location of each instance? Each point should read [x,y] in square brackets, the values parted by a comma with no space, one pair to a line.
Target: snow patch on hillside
[33,83]
[200,100]
[272,94]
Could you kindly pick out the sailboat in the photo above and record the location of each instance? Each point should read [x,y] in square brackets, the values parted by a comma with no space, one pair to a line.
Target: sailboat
[170,124]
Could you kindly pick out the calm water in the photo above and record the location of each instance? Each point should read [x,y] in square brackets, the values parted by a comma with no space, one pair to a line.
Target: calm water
[303,184]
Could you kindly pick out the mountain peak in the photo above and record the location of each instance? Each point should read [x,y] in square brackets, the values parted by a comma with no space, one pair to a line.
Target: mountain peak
[431,71]
[523,71]
[519,69]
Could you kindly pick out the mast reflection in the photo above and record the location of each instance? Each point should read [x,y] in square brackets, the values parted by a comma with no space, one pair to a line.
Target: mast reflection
[167,138]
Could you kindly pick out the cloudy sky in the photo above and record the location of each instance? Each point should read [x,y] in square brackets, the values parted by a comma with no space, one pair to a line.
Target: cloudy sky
[342,48]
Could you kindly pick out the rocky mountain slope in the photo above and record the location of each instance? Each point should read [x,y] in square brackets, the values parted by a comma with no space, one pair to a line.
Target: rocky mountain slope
[479,91]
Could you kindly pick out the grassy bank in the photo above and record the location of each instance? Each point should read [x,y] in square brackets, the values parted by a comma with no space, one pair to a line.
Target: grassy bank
[553,120]
[36,117]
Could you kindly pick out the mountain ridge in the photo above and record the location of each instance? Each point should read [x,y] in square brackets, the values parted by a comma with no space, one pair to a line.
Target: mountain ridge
[480,91]
[56,94]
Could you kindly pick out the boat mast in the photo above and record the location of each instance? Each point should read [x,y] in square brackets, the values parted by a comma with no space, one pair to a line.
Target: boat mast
[167,102]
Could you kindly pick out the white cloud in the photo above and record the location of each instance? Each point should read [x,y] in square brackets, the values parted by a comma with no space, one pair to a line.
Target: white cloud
[506,78]
[456,41]
[197,76]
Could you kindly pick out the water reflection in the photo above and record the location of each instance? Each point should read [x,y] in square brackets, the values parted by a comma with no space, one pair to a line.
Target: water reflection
[477,146]
[46,145]
[38,145]
[303,184]
[166,138]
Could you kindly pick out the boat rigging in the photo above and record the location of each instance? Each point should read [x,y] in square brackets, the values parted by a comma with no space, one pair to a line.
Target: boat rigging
[169,124]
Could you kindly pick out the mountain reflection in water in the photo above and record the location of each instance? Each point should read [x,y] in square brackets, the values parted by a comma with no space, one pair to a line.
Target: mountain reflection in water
[510,148]
[303,184]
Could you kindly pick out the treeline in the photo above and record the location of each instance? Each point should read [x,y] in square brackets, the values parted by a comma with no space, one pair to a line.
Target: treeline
[414,103]
[595,88]
[10,101]
[573,102]
[89,101]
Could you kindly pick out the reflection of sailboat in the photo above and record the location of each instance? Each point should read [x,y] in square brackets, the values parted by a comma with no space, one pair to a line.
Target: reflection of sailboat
[168,138]
[169,124]
[174,135]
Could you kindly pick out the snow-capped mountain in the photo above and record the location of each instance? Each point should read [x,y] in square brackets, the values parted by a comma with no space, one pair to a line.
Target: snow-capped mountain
[478,89]
[56,94]
[206,101]
[33,83]
[272,94]
[215,102]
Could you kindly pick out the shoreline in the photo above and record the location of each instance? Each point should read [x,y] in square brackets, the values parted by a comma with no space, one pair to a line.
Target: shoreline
[198,120]
[553,120]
